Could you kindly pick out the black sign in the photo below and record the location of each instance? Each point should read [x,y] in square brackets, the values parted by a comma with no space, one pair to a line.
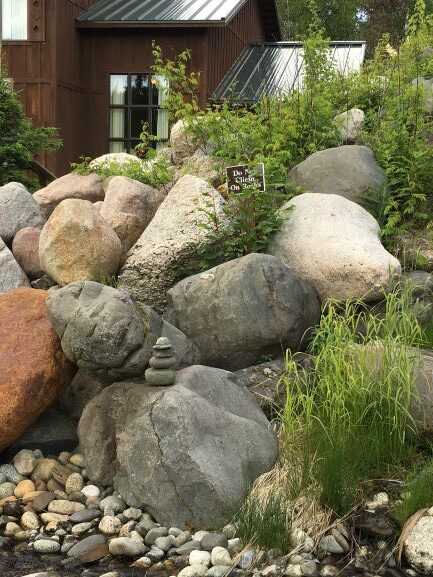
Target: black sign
[244,177]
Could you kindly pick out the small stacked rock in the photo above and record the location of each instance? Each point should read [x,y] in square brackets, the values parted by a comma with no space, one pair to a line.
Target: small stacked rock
[162,365]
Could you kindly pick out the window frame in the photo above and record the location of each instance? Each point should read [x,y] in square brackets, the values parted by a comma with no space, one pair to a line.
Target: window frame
[129,141]
[25,40]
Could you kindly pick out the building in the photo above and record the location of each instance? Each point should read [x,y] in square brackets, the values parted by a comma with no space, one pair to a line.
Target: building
[85,65]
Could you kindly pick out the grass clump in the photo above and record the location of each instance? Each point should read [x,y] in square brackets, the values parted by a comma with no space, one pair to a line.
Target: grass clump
[349,420]
[418,493]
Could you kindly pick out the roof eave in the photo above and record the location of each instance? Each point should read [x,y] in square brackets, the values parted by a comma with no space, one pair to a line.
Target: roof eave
[151,24]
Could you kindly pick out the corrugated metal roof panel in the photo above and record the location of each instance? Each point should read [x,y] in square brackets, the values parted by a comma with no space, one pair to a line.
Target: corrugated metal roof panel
[107,11]
[274,68]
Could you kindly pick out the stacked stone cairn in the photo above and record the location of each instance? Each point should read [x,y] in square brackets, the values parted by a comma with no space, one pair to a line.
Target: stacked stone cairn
[162,364]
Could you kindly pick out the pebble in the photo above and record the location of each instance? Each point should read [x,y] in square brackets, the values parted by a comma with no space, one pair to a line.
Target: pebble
[165,543]
[234,545]
[199,558]
[113,504]
[188,572]
[74,483]
[86,544]
[109,525]
[11,474]
[230,531]
[188,547]
[308,568]
[246,559]
[7,490]
[132,513]
[25,462]
[198,535]
[85,515]
[211,540]
[78,460]
[91,491]
[293,571]
[201,570]
[329,571]
[81,528]
[175,531]
[30,520]
[11,528]
[379,501]
[127,528]
[54,517]
[46,546]
[142,563]
[329,544]
[44,470]
[64,507]
[126,546]
[155,554]
[182,538]
[218,571]
[153,534]
[23,488]
[220,556]
[2,478]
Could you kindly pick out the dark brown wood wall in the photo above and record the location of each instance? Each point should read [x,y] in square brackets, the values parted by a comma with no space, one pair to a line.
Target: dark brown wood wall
[226,44]
[106,52]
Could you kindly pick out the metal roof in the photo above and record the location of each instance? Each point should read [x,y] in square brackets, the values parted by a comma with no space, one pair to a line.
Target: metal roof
[151,11]
[274,68]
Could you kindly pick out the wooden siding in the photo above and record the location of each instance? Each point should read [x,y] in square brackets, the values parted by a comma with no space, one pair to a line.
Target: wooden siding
[106,52]
[226,44]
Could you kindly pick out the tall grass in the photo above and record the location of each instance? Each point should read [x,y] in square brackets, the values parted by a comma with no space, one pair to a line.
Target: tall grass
[349,419]
[418,493]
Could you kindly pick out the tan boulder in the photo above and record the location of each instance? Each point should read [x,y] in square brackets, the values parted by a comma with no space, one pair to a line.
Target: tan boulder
[33,369]
[25,248]
[71,185]
[78,244]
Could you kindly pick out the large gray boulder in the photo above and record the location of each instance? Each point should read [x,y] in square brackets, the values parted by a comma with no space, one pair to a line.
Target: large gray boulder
[18,210]
[187,453]
[12,275]
[244,309]
[418,546]
[104,331]
[169,244]
[334,245]
[350,124]
[350,171]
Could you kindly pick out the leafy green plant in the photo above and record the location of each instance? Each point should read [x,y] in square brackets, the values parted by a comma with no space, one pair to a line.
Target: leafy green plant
[154,172]
[350,419]
[19,140]
[265,521]
[109,280]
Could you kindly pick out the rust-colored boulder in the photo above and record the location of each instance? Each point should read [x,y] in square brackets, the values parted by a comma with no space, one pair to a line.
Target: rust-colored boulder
[33,368]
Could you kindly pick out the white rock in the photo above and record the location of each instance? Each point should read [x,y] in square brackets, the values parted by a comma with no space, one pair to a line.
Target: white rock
[46,546]
[132,513]
[142,563]
[220,556]
[330,545]
[91,491]
[350,124]
[334,245]
[418,547]
[81,528]
[74,483]
[199,558]
[200,570]
[126,546]
[25,462]
[30,520]
[110,525]
[188,572]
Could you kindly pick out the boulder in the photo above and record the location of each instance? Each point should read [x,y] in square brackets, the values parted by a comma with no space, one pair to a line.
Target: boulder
[129,206]
[78,244]
[426,84]
[350,171]
[104,331]
[25,248]
[350,124]
[69,186]
[111,158]
[125,195]
[205,440]
[418,546]
[169,243]
[201,165]
[83,388]
[242,310]
[12,275]
[181,142]
[33,369]
[334,245]
[18,210]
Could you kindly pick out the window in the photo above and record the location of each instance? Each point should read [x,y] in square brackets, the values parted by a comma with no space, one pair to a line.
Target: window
[134,99]
[14,19]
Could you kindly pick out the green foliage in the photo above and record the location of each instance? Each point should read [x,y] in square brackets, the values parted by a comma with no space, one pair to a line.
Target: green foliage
[154,172]
[109,280]
[265,521]
[418,493]
[349,420]
[19,141]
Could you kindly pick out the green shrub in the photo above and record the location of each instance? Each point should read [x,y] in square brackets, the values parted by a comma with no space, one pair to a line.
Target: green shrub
[19,141]
[418,493]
